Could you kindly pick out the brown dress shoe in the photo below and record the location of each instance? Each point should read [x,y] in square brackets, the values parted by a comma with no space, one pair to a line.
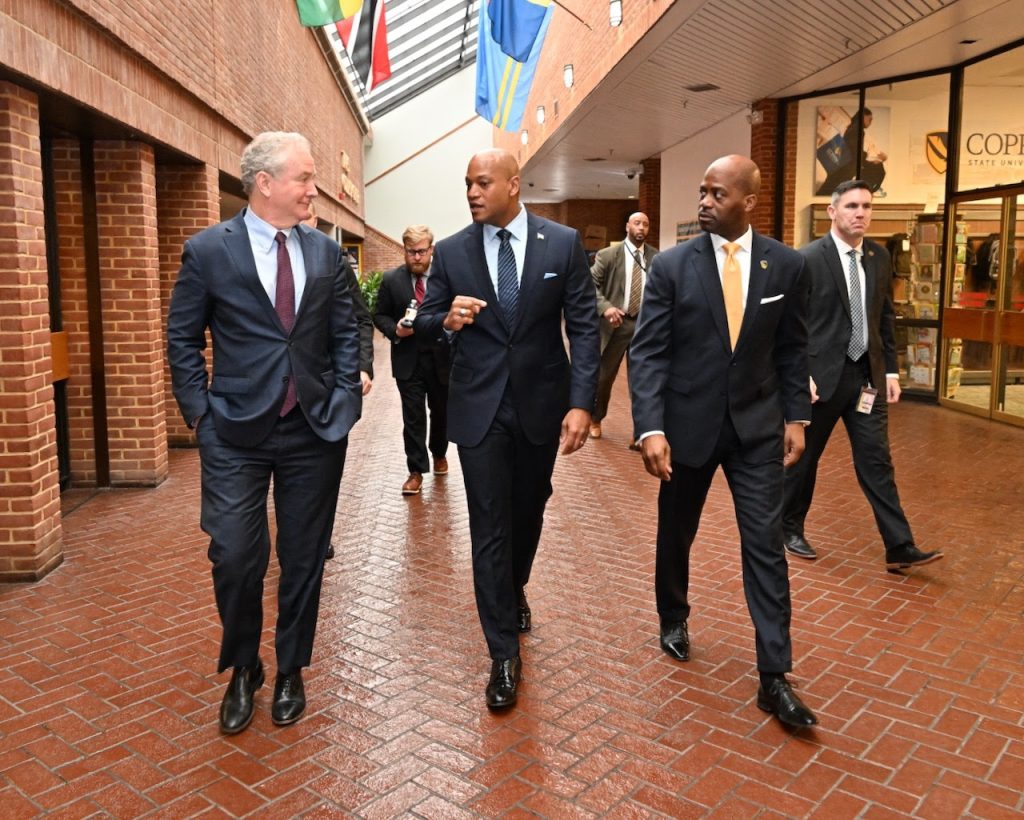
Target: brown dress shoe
[412,484]
[595,430]
[440,466]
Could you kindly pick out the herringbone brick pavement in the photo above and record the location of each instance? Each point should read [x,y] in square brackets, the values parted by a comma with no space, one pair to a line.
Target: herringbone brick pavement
[108,691]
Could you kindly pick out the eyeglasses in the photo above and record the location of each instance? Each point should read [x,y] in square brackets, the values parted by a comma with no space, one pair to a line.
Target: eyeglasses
[418,251]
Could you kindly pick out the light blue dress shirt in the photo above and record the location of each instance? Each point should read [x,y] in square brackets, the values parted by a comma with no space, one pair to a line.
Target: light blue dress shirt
[264,251]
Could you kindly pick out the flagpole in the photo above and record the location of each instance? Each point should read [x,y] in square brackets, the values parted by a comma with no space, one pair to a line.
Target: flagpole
[574,14]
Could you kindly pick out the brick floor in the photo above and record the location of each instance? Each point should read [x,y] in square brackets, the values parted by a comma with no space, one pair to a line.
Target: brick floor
[108,691]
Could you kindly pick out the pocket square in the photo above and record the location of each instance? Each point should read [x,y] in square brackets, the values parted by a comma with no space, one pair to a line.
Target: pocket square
[550,275]
[768,299]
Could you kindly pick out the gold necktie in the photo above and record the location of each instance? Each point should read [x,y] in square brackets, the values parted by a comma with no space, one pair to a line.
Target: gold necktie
[732,289]
[636,284]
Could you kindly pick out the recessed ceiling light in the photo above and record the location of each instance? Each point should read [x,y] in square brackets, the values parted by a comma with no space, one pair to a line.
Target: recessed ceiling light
[593,159]
[699,87]
[968,42]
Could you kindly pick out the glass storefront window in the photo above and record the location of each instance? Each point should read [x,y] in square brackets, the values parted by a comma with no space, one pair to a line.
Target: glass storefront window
[991,134]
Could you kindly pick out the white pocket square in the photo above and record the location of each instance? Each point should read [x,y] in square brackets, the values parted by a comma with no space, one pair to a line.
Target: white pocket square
[550,275]
[768,299]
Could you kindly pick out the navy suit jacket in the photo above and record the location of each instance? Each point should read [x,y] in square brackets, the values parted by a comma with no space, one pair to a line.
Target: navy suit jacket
[684,377]
[393,297]
[530,357]
[828,314]
[218,288]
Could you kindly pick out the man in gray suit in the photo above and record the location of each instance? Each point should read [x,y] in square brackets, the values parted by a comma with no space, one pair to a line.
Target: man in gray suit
[274,295]
[619,273]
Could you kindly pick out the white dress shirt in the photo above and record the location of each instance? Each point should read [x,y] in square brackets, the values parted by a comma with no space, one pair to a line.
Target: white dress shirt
[518,228]
[742,256]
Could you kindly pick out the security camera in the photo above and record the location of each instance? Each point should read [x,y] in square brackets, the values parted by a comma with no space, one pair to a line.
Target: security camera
[631,173]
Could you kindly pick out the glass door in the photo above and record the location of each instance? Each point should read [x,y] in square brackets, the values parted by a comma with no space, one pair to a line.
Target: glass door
[983,317]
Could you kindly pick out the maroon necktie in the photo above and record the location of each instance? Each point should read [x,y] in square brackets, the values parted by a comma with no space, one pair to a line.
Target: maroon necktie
[421,289]
[284,304]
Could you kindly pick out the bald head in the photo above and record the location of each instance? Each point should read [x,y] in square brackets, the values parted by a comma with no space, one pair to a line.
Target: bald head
[728,196]
[492,187]
[637,228]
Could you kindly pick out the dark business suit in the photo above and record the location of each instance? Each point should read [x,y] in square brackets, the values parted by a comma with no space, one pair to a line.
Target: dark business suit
[609,275]
[244,441]
[839,382]
[722,407]
[420,366]
[509,389]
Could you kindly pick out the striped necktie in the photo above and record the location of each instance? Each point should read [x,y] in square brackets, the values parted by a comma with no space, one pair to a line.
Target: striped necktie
[508,279]
[856,347]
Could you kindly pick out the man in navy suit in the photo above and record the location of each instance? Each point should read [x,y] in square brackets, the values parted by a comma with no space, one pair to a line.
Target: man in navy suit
[719,378]
[274,295]
[852,347]
[501,289]
[419,364]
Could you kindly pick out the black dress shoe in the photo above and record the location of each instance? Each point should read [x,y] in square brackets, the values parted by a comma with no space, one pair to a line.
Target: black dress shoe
[236,710]
[289,699]
[525,616]
[777,696]
[675,639]
[502,687]
[798,546]
[330,553]
[909,556]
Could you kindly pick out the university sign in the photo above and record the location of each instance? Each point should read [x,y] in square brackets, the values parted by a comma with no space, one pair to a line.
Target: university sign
[936,150]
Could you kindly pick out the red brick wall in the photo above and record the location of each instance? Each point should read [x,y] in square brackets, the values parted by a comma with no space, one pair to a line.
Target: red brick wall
[132,320]
[789,201]
[204,79]
[650,195]
[382,252]
[764,150]
[30,531]
[187,201]
[67,172]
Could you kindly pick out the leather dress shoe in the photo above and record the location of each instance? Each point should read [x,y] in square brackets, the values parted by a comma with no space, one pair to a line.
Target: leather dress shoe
[909,556]
[502,687]
[595,429]
[525,616]
[237,708]
[441,466]
[778,697]
[330,552]
[289,699]
[675,639]
[797,545]
[412,484]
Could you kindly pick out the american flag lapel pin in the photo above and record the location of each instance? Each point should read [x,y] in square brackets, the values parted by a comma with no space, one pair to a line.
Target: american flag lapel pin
[764,264]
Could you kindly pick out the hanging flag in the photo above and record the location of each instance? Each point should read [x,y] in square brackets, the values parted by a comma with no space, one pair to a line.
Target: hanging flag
[365,37]
[515,25]
[324,12]
[503,83]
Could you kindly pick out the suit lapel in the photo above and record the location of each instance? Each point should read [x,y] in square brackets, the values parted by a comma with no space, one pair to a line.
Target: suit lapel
[474,248]
[760,273]
[533,264]
[871,276]
[311,261]
[239,249]
[707,273]
[835,267]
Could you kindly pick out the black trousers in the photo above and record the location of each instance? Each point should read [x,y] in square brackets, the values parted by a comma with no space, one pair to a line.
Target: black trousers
[872,462]
[756,488]
[235,482]
[422,390]
[508,483]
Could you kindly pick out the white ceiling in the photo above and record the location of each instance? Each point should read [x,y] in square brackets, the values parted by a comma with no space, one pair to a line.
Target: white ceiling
[779,48]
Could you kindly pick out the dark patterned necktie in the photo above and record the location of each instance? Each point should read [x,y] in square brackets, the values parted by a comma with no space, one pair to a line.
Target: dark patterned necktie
[856,347]
[284,305]
[508,280]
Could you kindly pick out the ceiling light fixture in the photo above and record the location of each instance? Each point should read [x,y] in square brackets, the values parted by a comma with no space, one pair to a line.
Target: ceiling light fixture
[540,114]
[524,137]
[615,12]
[567,76]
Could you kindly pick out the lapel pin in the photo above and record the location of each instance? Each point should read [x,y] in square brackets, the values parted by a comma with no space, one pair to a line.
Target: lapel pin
[764,264]
[540,235]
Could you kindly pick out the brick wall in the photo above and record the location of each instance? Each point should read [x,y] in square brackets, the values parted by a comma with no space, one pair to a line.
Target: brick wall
[789,200]
[133,357]
[67,173]
[382,252]
[650,195]
[30,531]
[764,150]
[187,201]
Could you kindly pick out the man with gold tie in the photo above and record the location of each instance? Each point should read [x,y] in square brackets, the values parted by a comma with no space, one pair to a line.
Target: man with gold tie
[719,377]
[618,273]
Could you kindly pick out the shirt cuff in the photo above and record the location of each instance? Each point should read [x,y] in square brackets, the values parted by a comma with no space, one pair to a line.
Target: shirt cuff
[650,433]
